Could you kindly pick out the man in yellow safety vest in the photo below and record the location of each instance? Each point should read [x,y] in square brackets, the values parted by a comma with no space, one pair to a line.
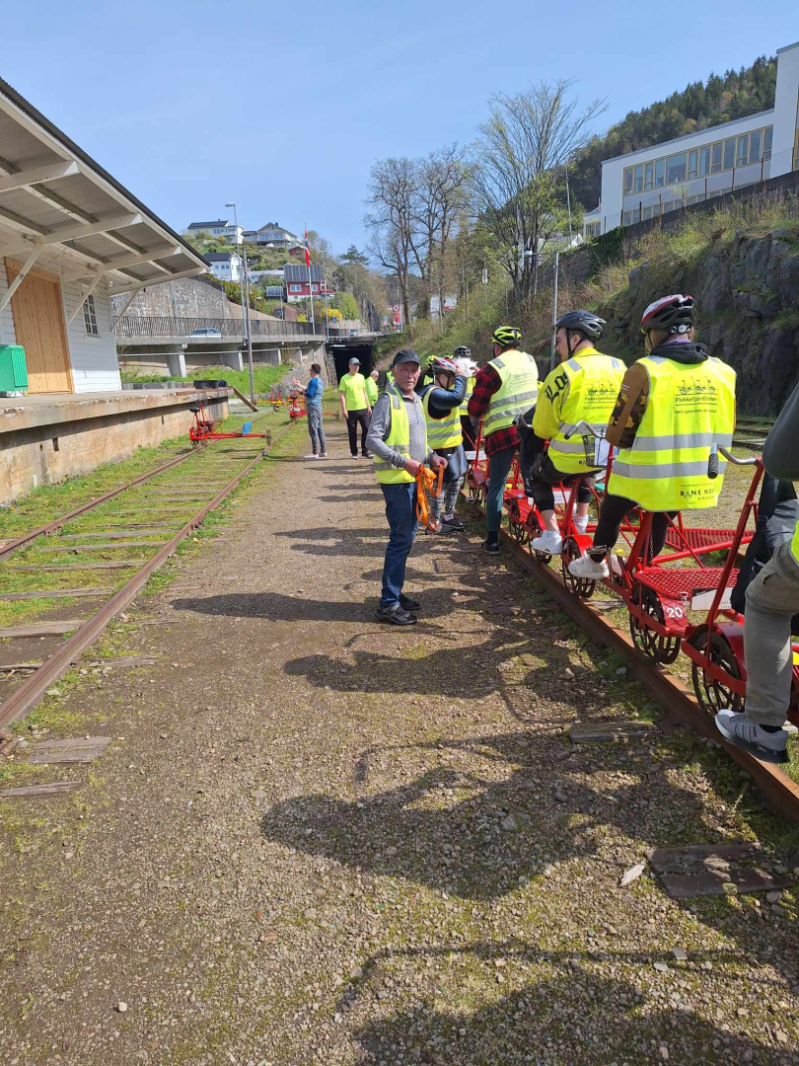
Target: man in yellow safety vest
[772,602]
[504,391]
[463,358]
[398,440]
[582,389]
[673,406]
[355,406]
[371,387]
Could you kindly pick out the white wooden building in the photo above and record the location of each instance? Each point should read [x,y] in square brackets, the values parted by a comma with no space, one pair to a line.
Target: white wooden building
[71,236]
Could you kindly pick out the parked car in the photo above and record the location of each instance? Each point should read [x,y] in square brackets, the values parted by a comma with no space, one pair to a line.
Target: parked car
[205,333]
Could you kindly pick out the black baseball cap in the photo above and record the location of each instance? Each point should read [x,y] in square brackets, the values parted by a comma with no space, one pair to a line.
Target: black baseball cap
[406,355]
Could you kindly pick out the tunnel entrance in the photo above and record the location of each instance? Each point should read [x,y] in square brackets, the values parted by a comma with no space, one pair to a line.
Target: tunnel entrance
[342,353]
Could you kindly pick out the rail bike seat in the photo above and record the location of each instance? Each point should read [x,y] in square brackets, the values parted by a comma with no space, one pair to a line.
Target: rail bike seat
[685,584]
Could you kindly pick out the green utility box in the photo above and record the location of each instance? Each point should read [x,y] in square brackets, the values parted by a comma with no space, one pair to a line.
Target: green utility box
[13,368]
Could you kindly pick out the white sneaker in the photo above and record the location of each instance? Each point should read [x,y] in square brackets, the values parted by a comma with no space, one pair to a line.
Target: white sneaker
[313,456]
[581,524]
[548,542]
[588,568]
[744,733]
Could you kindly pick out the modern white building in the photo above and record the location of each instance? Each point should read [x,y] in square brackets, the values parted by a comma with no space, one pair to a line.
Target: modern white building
[220,228]
[273,235]
[71,236]
[227,266]
[664,177]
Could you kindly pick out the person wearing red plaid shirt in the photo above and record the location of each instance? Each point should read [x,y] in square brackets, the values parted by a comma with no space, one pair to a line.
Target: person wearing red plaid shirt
[504,391]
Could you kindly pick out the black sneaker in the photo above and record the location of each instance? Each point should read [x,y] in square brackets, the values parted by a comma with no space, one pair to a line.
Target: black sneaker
[408,604]
[490,546]
[440,531]
[454,524]
[396,615]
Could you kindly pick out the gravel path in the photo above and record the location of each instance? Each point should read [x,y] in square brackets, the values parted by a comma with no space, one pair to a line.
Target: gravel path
[316,840]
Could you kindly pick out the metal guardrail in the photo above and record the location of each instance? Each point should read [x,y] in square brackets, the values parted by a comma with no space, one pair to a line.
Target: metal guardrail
[167,326]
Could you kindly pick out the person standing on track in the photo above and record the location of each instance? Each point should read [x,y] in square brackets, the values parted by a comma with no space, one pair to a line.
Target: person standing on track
[674,404]
[582,389]
[313,406]
[463,358]
[355,407]
[504,390]
[442,403]
[398,439]
[772,600]
[371,387]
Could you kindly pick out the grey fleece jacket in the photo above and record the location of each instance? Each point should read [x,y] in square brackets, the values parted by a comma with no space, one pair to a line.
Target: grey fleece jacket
[381,424]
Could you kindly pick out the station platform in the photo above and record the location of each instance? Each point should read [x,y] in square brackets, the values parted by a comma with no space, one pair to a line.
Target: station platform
[47,438]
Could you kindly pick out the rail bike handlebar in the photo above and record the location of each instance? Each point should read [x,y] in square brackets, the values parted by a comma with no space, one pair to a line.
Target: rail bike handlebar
[713,460]
[586,428]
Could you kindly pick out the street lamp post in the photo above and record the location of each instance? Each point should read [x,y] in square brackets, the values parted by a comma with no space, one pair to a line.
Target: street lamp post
[245,293]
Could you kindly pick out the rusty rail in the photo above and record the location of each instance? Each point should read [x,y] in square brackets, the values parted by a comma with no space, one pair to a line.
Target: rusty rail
[28,694]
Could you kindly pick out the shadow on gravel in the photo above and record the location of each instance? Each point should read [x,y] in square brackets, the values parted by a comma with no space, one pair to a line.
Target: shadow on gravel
[279,608]
[327,540]
[577,1018]
[475,827]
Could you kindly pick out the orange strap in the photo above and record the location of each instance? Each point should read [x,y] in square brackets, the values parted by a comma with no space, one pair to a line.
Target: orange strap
[427,480]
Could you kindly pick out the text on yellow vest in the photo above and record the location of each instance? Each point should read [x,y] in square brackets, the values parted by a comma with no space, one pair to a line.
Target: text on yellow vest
[589,383]
[691,407]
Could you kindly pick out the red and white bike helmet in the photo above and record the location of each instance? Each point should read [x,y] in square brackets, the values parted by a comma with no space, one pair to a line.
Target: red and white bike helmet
[674,314]
[442,365]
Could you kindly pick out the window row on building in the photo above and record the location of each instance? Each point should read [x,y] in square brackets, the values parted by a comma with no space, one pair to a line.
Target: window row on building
[643,214]
[714,158]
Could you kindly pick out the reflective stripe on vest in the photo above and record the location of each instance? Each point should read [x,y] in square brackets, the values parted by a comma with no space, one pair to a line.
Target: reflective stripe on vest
[398,439]
[795,544]
[690,408]
[464,407]
[442,432]
[592,387]
[518,391]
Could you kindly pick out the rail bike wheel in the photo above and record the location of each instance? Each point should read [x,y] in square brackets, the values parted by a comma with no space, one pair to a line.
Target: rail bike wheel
[713,695]
[579,586]
[517,528]
[661,649]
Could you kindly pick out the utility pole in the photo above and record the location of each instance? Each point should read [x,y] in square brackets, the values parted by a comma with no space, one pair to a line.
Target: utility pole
[245,292]
[554,357]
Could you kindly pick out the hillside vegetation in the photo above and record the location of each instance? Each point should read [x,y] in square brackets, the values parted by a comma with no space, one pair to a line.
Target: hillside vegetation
[741,264]
[721,98]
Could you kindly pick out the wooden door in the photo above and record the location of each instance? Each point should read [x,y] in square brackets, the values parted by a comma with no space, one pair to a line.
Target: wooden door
[40,329]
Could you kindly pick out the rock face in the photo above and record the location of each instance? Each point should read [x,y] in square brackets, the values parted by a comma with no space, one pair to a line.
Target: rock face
[747,292]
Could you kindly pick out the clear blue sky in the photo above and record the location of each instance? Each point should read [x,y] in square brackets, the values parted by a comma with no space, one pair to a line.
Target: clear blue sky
[283,107]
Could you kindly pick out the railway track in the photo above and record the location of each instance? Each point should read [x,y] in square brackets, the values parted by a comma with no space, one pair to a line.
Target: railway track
[677,699]
[159,512]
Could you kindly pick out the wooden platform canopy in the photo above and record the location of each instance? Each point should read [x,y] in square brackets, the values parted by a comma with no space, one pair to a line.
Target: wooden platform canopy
[55,198]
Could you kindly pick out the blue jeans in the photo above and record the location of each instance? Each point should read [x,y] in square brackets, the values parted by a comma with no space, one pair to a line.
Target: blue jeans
[401,515]
[499,465]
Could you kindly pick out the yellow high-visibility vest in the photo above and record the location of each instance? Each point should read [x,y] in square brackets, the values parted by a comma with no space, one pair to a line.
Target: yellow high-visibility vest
[464,407]
[371,390]
[690,408]
[795,544]
[517,393]
[442,432]
[399,438]
[590,383]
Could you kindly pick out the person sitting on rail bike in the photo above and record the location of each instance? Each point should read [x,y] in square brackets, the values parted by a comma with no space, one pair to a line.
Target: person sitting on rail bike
[674,405]
[398,440]
[505,390]
[442,404]
[582,389]
[772,601]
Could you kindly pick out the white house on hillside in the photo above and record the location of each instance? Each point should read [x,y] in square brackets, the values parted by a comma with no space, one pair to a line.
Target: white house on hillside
[220,228]
[71,236]
[655,180]
[226,266]
[273,234]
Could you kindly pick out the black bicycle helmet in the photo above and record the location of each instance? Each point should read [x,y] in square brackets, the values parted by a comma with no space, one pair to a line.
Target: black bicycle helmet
[674,314]
[462,352]
[506,336]
[585,322]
